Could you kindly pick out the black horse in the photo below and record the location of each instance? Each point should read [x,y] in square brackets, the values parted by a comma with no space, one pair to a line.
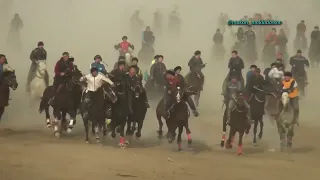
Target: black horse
[8,80]
[97,110]
[178,118]
[238,123]
[48,93]
[139,109]
[119,113]
[146,52]
[257,103]
[275,87]
[196,80]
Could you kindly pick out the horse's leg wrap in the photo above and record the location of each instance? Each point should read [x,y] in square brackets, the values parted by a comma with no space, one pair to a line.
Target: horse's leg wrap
[295,106]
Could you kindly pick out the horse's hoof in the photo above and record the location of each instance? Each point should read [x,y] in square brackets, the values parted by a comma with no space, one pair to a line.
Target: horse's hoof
[222,144]
[57,134]
[48,126]
[87,142]
[255,144]
[127,142]
[240,154]
[69,130]
[121,145]
[180,150]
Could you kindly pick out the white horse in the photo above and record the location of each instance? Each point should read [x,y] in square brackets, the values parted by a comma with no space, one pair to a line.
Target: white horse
[38,84]
[285,123]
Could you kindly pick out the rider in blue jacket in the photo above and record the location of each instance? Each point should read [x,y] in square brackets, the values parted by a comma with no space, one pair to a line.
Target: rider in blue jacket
[97,63]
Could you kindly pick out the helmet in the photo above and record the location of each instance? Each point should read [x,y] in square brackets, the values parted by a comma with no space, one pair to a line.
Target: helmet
[124,37]
[97,57]
[94,69]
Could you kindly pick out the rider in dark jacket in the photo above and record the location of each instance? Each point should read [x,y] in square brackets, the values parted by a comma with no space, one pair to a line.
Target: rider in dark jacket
[37,54]
[62,70]
[138,70]
[172,81]
[157,71]
[298,63]
[196,63]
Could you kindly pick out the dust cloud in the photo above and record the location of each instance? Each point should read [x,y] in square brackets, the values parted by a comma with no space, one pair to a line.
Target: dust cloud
[86,28]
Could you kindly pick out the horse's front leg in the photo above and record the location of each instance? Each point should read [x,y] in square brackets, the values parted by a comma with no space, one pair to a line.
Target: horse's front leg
[232,133]
[255,127]
[290,135]
[1,112]
[224,129]
[179,140]
[72,121]
[140,125]
[57,122]
[86,127]
[188,132]
[160,131]
[261,128]
[240,148]
[129,130]
[48,121]
[122,141]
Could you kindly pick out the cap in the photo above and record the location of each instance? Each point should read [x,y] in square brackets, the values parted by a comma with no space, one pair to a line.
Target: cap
[40,43]
[121,63]
[197,53]
[170,72]
[288,74]
[177,68]
[94,69]
[299,51]
[97,57]
[135,59]
[65,54]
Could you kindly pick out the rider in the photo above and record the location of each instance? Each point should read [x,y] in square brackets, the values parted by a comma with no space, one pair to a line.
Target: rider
[218,37]
[298,64]
[97,63]
[240,35]
[131,78]
[279,59]
[250,36]
[138,70]
[94,81]
[37,54]
[235,66]
[271,37]
[124,46]
[121,59]
[156,72]
[233,87]
[290,86]
[282,41]
[251,72]
[180,78]
[196,63]
[16,23]
[301,29]
[3,62]
[62,71]
[117,75]
[147,37]
[267,70]
[172,82]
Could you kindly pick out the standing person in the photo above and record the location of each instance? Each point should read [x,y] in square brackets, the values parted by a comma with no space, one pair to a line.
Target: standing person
[38,54]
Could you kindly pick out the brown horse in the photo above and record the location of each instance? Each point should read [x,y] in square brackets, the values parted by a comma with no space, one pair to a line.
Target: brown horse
[196,80]
[7,80]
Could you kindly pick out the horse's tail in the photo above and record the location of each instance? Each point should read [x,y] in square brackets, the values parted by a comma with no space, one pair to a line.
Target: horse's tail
[43,104]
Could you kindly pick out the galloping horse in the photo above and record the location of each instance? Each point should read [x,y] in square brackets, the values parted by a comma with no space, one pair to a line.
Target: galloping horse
[146,53]
[66,101]
[8,79]
[196,80]
[97,113]
[139,110]
[285,124]
[38,84]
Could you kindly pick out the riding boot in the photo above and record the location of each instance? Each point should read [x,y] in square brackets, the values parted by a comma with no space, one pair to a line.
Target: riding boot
[130,96]
[144,94]
[192,106]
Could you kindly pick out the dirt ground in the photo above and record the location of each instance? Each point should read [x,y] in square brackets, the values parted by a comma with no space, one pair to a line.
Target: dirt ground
[30,151]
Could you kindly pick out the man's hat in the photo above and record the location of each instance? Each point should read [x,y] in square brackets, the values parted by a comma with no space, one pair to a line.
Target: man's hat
[65,54]
[299,51]
[135,59]
[288,74]
[177,68]
[40,43]
[170,72]
[97,57]
[121,63]
[197,53]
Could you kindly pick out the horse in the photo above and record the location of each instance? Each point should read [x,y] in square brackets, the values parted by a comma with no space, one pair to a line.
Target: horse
[195,79]
[238,123]
[257,102]
[72,90]
[38,84]
[146,53]
[275,86]
[119,113]
[8,80]
[284,124]
[96,110]
[300,77]
[139,109]
[179,117]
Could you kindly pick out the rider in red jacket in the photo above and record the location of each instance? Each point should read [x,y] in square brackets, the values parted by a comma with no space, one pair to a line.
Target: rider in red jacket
[124,46]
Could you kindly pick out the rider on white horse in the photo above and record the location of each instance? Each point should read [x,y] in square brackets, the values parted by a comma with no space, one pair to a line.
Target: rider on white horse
[94,81]
[290,86]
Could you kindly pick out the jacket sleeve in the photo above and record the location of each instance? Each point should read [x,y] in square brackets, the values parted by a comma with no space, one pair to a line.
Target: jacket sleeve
[131,46]
[117,46]
[32,55]
[191,62]
[230,63]
[57,69]
[270,74]
[106,79]
[241,65]
[45,54]
[291,61]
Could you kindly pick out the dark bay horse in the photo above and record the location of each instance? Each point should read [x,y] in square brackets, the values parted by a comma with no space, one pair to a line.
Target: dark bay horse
[97,112]
[257,103]
[178,118]
[274,86]
[67,100]
[48,94]
[195,79]
[119,113]
[238,123]
[139,110]
[8,80]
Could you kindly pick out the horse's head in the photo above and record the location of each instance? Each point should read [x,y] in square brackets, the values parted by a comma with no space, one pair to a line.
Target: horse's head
[177,94]
[9,78]
[239,99]
[137,89]
[76,75]
[285,99]
[41,68]
[109,92]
